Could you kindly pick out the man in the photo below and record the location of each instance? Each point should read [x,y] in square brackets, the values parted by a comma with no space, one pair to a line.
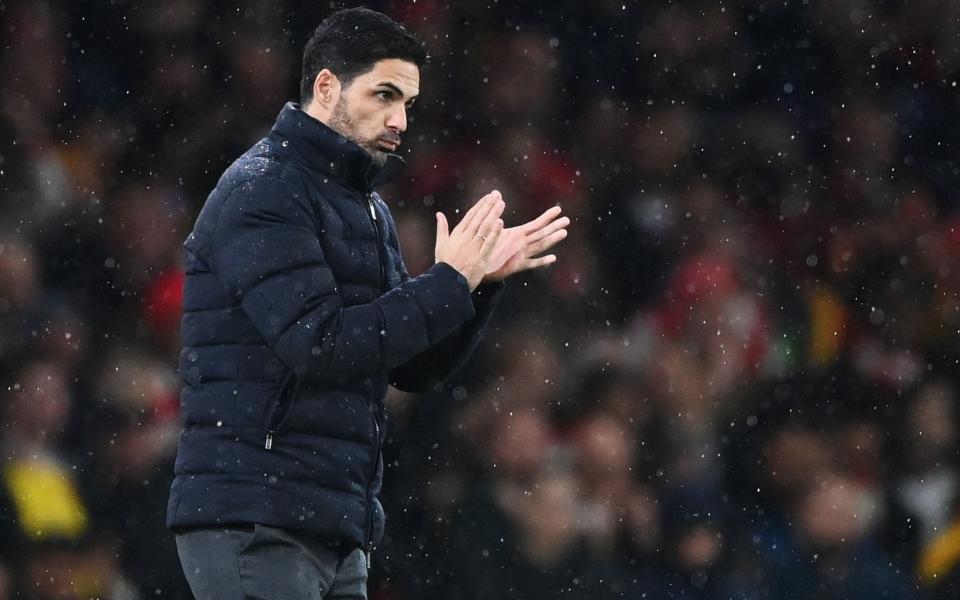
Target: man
[298,312]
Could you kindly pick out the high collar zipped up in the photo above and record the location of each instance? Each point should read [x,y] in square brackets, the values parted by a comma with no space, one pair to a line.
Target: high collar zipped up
[320,148]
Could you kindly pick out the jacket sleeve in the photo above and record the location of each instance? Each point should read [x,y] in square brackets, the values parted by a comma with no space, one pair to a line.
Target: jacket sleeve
[434,366]
[266,252]
[440,362]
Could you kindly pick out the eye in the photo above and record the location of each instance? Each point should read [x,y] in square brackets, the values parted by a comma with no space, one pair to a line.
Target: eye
[384,95]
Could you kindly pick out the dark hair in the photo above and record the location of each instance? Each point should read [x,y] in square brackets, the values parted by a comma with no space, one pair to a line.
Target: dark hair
[350,41]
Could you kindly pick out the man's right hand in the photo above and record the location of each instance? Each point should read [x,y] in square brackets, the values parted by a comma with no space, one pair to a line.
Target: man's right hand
[468,247]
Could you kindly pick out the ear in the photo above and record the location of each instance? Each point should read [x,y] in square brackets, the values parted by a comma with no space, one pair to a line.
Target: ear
[326,89]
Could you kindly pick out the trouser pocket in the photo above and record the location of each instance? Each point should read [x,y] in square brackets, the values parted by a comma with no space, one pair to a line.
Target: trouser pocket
[278,564]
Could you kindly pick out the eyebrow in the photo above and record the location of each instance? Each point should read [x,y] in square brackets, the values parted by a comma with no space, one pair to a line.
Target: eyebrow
[396,90]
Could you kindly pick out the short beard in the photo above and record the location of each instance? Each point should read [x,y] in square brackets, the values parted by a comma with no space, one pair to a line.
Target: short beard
[341,123]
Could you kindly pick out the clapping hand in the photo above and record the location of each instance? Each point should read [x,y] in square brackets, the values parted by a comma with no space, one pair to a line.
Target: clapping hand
[469,246]
[518,248]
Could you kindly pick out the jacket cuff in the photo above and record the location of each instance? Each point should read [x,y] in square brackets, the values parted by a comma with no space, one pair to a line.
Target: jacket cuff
[449,271]
[450,305]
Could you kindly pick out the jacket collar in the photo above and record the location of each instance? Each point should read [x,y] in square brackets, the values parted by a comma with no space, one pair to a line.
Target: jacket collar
[325,150]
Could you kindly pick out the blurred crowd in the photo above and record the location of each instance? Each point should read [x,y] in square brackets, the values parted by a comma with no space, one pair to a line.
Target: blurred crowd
[739,381]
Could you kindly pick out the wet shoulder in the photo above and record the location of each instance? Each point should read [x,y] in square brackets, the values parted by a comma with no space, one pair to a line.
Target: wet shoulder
[266,159]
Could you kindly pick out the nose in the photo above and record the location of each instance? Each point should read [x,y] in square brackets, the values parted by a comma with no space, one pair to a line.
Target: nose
[397,120]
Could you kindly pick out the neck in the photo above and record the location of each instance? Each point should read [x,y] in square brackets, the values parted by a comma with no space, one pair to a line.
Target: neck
[318,112]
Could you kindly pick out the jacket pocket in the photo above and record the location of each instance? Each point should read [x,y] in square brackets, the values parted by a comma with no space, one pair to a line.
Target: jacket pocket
[281,407]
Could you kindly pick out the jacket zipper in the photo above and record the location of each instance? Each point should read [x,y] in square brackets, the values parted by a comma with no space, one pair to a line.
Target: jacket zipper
[288,394]
[373,408]
[373,221]
[376,464]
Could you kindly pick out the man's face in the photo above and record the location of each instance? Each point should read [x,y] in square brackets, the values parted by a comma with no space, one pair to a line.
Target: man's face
[372,110]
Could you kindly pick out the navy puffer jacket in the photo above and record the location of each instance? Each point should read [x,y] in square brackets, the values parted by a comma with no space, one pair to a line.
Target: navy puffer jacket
[298,312]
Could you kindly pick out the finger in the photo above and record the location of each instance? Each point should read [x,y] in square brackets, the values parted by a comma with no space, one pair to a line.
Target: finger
[489,220]
[544,245]
[536,236]
[543,261]
[477,211]
[534,248]
[485,219]
[443,231]
[509,243]
[491,242]
[472,213]
[548,215]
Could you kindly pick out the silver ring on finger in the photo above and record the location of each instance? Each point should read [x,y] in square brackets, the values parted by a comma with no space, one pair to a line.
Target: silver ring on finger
[481,236]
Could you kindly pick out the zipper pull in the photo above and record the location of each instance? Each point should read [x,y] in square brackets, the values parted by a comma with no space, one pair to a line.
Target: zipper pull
[369,551]
[269,444]
[373,213]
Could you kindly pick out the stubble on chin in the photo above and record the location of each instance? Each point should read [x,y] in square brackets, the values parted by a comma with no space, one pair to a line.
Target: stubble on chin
[379,156]
[342,124]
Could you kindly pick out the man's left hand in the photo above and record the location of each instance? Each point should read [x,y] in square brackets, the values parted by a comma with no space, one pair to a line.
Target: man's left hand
[518,247]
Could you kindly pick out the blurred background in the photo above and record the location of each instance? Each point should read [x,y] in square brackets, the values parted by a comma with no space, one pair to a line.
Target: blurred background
[740,380]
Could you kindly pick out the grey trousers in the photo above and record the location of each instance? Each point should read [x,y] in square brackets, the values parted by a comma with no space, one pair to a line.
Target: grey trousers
[266,563]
